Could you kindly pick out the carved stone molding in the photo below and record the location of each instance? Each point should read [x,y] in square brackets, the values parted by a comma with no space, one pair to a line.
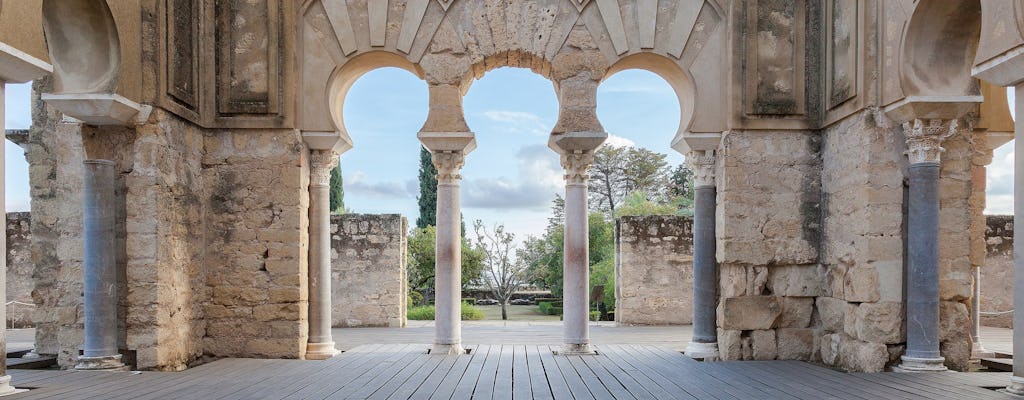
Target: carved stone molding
[448,164]
[924,142]
[576,165]
[702,163]
[320,165]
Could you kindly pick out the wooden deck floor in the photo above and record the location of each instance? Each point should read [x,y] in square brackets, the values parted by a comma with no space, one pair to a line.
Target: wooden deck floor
[506,372]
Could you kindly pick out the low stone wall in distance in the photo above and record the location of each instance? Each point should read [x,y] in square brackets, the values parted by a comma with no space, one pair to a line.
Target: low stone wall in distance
[368,275]
[19,270]
[997,274]
[654,270]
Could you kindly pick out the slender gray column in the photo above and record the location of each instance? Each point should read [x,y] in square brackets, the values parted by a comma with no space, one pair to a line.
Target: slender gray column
[923,142]
[321,344]
[1017,380]
[704,343]
[100,279]
[576,261]
[5,380]
[448,260]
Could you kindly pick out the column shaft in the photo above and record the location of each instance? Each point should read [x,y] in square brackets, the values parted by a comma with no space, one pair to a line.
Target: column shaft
[321,342]
[99,269]
[923,272]
[705,275]
[5,380]
[448,255]
[1017,381]
[576,271]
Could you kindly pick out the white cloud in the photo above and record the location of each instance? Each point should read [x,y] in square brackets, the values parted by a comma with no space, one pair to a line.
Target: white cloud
[619,141]
[999,182]
[539,179]
[518,122]
[357,184]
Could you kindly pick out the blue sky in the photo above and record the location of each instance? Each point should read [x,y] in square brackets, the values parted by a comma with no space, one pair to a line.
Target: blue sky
[512,176]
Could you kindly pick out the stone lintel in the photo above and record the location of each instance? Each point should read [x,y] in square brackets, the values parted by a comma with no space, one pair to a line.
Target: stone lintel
[573,142]
[99,108]
[333,141]
[697,141]
[1002,70]
[464,142]
[17,66]
[932,107]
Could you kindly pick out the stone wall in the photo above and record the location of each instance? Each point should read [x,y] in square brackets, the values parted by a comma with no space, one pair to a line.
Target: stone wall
[654,270]
[997,273]
[368,270]
[769,230]
[19,270]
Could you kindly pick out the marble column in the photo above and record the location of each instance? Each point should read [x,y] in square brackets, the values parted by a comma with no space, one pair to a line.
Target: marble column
[99,269]
[1017,380]
[5,380]
[924,140]
[981,159]
[448,261]
[576,261]
[321,344]
[704,343]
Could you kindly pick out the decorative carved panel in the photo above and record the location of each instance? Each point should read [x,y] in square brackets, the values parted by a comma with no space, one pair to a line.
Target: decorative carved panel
[775,58]
[842,51]
[183,49]
[248,62]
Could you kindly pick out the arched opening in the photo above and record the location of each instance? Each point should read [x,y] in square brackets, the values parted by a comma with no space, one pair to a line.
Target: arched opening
[640,185]
[939,47]
[512,179]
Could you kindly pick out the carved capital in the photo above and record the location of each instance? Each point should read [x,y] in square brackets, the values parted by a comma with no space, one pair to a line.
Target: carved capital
[576,165]
[702,163]
[924,141]
[321,162]
[448,165]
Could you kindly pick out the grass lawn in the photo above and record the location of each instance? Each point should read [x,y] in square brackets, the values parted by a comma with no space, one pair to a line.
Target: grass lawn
[516,313]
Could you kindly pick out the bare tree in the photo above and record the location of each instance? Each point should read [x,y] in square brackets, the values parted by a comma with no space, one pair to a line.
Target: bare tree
[502,274]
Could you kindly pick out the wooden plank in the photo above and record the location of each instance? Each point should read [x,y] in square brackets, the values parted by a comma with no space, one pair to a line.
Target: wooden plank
[555,380]
[503,379]
[629,370]
[433,380]
[354,389]
[699,380]
[341,379]
[488,373]
[605,369]
[646,367]
[395,382]
[577,387]
[521,385]
[446,388]
[538,381]
[410,385]
[311,386]
[607,380]
[465,386]
[596,386]
[386,383]
[843,383]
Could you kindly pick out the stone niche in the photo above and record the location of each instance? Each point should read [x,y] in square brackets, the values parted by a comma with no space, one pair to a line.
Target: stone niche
[654,270]
[368,275]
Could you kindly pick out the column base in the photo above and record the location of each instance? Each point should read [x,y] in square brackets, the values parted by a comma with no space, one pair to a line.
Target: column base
[447,349]
[978,351]
[6,388]
[101,363]
[320,351]
[1016,386]
[576,349]
[704,351]
[914,364]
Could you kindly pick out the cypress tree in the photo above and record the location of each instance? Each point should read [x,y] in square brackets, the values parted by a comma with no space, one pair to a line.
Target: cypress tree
[337,191]
[428,191]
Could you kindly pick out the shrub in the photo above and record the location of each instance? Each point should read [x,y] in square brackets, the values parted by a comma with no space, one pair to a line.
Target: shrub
[469,300]
[415,298]
[421,313]
[545,307]
[426,313]
[595,315]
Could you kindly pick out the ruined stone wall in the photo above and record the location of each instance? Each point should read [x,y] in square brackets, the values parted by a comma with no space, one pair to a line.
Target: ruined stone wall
[368,270]
[861,306]
[769,229]
[997,273]
[654,270]
[256,243]
[19,270]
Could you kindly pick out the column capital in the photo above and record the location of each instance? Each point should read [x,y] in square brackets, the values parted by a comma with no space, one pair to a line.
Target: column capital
[924,141]
[576,165]
[448,164]
[321,162]
[702,163]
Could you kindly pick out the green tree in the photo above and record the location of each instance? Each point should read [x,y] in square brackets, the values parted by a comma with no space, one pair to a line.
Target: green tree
[428,191]
[337,191]
[617,172]
[638,204]
[503,274]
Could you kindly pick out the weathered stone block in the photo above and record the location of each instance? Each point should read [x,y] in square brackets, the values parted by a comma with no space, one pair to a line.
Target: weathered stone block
[761,345]
[832,312]
[749,312]
[859,356]
[957,352]
[860,284]
[798,280]
[730,347]
[797,344]
[829,347]
[796,312]
[880,323]
[954,320]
